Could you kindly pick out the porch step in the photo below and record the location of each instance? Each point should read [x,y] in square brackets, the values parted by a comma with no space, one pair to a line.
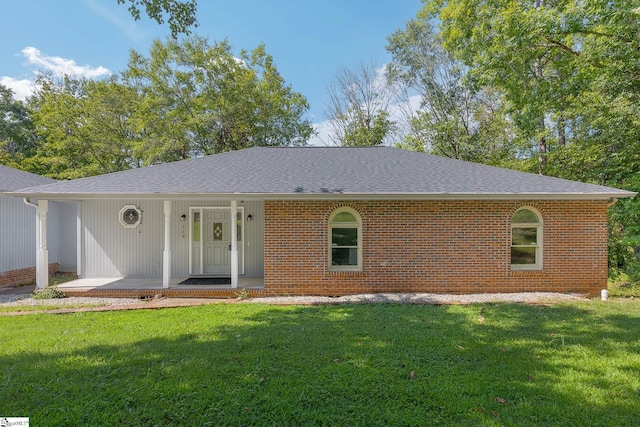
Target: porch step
[149,293]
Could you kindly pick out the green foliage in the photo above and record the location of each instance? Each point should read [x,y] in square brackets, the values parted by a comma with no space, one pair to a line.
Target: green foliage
[562,65]
[61,277]
[200,99]
[373,132]
[180,15]
[84,127]
[186,99]
[17,137]
[624,285]
[242,294]
[388,364]
[47,293]
[456,118]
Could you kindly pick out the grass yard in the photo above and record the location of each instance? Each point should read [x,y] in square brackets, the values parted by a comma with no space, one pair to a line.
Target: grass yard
[572,364]
[45,307]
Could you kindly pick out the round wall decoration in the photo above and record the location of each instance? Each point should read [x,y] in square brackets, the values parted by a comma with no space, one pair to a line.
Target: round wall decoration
[130,216]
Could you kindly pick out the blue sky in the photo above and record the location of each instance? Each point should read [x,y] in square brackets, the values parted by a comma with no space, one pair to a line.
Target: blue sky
[309,40]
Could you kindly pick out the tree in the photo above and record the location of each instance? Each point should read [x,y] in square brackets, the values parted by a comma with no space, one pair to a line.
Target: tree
[84,127]
[455,119]
[181,14]
[359,106]
[186,99]
[200,99]
[17,136]
[551,58]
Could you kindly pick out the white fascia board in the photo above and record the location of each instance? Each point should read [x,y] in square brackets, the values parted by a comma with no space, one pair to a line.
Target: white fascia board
[327,196]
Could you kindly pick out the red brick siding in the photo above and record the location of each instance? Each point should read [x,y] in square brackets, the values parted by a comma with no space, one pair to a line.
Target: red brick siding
[23,275]
[435,246]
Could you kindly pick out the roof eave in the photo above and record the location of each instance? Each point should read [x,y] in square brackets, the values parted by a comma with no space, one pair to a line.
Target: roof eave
[327,196]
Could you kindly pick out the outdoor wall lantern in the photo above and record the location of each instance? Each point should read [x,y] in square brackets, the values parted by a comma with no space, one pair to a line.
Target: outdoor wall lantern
[249,218]
[183,217]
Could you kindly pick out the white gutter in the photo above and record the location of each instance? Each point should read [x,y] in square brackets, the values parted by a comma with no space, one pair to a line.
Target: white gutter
[331,196]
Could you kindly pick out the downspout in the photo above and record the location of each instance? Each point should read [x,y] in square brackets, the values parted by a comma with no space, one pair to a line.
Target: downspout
[612,201]
[30,203]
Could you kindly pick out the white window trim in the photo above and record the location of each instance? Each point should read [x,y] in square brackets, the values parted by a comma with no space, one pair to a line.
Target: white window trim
[539,247]
[331,226]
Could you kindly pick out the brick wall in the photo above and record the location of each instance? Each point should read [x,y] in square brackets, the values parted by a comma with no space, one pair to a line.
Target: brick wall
[435,246]
[23,275]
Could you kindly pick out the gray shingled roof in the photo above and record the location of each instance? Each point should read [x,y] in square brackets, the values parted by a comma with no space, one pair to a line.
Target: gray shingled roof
[13,179]
[323,172]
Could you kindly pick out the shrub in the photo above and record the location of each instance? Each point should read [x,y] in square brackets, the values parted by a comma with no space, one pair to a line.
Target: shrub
[47,293]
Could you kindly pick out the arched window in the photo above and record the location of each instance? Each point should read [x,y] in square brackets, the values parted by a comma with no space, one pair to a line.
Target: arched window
[345,240]
[526,240]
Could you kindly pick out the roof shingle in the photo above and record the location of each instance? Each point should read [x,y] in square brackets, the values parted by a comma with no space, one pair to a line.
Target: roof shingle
[14,179]
[325,172]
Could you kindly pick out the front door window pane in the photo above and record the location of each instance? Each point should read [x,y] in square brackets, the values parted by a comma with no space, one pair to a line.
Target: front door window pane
[196,226]
[217,231]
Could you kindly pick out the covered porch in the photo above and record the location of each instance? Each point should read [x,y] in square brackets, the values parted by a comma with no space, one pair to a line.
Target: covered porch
[148,247]
[136,287]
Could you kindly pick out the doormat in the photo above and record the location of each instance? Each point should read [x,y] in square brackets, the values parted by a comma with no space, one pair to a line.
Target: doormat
[207,281]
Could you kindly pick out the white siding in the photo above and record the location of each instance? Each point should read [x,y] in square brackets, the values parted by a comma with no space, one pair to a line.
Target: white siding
[67,213]
[18,234]
[110,250]
[53,231]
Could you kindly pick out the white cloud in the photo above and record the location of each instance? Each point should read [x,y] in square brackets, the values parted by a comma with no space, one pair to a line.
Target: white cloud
[322,136]
[21,88]
[125,24]
[61,66]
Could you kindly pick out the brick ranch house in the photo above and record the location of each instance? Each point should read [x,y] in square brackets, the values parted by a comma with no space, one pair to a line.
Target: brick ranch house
[335,221]
[18,235]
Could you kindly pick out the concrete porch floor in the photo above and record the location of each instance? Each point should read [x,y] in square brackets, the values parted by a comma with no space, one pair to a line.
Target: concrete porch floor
[137,287]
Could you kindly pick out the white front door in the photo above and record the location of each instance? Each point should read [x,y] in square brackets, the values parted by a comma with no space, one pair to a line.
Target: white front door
[211,241]
[216,227]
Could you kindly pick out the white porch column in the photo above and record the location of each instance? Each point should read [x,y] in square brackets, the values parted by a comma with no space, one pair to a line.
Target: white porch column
[79,241]
[42,257]
[166,255]
[234,244]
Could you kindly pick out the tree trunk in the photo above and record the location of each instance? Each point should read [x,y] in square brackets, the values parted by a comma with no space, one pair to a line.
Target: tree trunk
[542,148]
[562,136]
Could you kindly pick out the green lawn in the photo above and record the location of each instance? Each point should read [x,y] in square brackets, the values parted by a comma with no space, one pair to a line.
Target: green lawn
[572,364]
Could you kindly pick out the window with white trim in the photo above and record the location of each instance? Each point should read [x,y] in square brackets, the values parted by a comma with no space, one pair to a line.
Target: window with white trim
[345,240]
[526,240]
